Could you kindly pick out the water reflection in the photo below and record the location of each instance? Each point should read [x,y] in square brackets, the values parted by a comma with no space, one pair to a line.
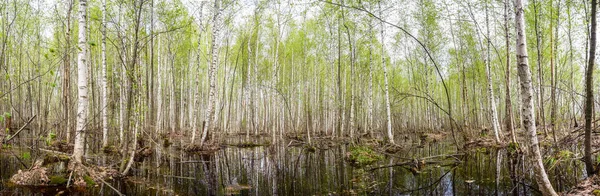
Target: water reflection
[282,170]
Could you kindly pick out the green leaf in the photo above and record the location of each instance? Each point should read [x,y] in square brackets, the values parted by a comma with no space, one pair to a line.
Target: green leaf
[26,155]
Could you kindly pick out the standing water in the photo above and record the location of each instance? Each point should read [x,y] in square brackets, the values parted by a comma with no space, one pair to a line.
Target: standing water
[283,169]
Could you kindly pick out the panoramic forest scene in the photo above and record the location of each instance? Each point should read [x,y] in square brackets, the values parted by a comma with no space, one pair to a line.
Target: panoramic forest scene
[299,97]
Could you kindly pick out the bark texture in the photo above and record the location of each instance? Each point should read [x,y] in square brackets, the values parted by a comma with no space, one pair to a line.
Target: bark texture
[82,73]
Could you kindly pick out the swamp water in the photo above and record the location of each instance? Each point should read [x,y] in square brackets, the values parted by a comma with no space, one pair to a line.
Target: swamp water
[282,170]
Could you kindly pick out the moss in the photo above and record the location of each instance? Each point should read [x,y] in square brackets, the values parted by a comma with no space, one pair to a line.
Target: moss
[64,158]
[596,192]
[58,180]
[362,156]
[89,181]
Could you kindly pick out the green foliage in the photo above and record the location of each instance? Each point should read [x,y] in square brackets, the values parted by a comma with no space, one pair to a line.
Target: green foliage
[361,156]
[26,155]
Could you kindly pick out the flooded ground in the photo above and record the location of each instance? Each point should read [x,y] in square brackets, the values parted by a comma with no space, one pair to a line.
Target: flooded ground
[282,170]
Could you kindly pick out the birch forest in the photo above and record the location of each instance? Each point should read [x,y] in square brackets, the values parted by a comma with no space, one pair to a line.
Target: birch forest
[299,97]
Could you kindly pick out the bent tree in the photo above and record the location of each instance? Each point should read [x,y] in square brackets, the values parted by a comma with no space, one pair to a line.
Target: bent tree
[527,114]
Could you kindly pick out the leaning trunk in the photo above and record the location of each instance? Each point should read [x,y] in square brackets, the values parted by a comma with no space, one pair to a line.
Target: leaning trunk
[528,115]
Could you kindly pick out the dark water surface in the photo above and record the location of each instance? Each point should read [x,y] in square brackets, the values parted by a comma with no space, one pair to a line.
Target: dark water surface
[282,170]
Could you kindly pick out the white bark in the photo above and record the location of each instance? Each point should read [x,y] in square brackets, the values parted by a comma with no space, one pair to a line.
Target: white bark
[197,83]
[370,100]
[210,112]
[159,90]
[82,100]
[103,86]
[528,114]
[387,94]
[495,123]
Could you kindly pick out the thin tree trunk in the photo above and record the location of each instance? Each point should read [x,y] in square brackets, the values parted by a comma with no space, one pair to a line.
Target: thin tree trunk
[528,112]
[495,123]
[370,98]
[67,74]
[508,102]
[386,91]
[538,35]
[553,51]
[103,86]
[197,82]
[589,95]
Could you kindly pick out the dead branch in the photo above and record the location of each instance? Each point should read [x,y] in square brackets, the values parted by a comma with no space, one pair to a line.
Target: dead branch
[19,131]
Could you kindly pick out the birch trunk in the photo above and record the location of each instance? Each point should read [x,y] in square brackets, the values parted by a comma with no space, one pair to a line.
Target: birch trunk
[528,113]
[509,116]
[370,99]
[495,123]
[385,79]
[210,112]
[197,82]
[82,100]
[103,87]
[159,98]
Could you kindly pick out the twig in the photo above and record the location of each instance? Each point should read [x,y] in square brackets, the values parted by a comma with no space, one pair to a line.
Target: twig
[69,180]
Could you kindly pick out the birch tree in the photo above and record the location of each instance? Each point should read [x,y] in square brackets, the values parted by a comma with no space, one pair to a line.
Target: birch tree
[103,87]
[210,110]
[82,90]
[385,83]
[495,123]
[528,112]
